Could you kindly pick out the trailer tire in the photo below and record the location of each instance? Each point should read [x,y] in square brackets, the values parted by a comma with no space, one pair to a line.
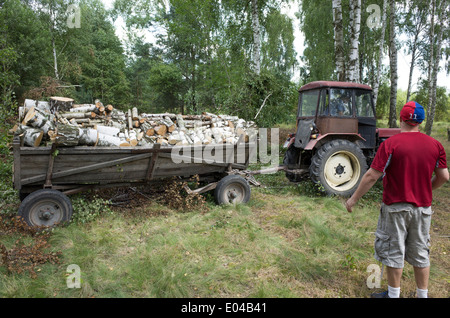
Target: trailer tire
[46,208]
[232,189]
[337,167]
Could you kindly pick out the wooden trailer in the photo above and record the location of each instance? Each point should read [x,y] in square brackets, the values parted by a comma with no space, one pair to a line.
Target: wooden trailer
[45,176]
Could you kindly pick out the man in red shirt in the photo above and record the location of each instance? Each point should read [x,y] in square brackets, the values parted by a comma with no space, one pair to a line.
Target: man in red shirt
[406,162]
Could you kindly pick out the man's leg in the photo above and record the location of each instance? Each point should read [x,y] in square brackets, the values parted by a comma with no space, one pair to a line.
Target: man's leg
[418,248]
[422,274]
[394,276]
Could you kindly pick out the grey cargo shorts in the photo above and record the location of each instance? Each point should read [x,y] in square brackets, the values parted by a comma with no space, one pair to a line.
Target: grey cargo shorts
[403,234]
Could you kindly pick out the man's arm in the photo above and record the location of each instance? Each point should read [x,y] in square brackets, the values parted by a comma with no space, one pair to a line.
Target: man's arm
[440,177]
[367,182]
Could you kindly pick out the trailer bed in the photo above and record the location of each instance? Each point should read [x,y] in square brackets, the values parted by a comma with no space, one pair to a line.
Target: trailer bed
[45,176]
[77,167]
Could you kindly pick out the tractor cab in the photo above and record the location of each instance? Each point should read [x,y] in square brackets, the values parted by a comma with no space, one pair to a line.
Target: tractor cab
[337,108]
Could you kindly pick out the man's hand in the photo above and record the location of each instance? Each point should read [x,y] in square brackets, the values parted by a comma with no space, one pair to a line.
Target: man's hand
[349,204]
[367,181]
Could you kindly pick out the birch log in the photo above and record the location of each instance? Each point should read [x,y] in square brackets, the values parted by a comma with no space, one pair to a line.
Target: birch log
[130,119]
[132,138]
[180,122]
[60,104]
[108,141]
[37,119]
[117,115]
[32,137]
[83,109]
[161,129]
[109,108]
[169,124]
[67,135]
[43,106]
[88,137]
[107,130]
[76,115]
[134,113]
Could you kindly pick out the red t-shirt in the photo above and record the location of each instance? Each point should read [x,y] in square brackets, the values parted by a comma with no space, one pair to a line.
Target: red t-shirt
[408,161]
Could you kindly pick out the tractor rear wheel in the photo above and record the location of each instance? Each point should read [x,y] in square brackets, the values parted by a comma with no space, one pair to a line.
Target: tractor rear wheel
[338,167]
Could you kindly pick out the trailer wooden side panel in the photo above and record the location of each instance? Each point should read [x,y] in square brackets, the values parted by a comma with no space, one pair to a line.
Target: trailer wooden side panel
[79,166]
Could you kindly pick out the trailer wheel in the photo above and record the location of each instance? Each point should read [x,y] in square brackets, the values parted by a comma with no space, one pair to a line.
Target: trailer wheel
[232,189]
[46,208]
[338,167]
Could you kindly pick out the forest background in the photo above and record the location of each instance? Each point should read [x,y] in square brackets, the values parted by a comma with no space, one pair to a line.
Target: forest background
[224,56]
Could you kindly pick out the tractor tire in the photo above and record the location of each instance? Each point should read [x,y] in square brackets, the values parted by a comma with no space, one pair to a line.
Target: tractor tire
[337,167]
[46,208]
[232,189]
[290,159]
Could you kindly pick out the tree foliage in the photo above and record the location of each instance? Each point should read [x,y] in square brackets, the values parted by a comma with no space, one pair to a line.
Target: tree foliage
[412,33]
[90,57]
[202,59]
[199,55]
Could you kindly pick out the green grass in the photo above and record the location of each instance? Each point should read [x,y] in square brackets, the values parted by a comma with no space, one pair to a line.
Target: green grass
[242,251]
[288,241]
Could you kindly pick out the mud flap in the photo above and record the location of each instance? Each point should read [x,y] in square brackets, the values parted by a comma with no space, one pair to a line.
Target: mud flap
[302,136]
[305,127]
[291,157]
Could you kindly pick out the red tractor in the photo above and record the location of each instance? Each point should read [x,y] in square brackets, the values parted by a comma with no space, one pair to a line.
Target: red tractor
[336,137]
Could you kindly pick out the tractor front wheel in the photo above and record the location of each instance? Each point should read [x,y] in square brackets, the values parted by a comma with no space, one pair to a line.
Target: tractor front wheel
[337,167]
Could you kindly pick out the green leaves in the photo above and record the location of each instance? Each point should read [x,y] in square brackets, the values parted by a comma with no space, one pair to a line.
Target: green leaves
[204,63]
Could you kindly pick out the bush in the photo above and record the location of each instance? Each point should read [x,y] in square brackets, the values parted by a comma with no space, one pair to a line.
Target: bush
[87,210]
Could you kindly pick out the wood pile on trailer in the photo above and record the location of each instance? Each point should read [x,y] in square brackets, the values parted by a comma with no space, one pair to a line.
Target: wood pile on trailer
[64,123]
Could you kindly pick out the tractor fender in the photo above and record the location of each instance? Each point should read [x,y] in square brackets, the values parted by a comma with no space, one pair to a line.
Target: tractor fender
[387,132]
[321,139]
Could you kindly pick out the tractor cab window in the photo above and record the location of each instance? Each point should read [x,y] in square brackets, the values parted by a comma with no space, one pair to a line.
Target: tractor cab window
[340,103]
[363,104]
[308,103]
[324,101]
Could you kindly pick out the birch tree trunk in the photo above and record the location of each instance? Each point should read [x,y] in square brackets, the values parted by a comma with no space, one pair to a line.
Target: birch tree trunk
[411,67]
[380,56]
[355,27]
[431,56]
[419,23]
[443,14]
[55,59]
[393,67]
[256,37]
[338,39]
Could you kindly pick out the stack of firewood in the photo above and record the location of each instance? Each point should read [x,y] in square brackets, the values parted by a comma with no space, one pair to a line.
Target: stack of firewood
[64,123]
